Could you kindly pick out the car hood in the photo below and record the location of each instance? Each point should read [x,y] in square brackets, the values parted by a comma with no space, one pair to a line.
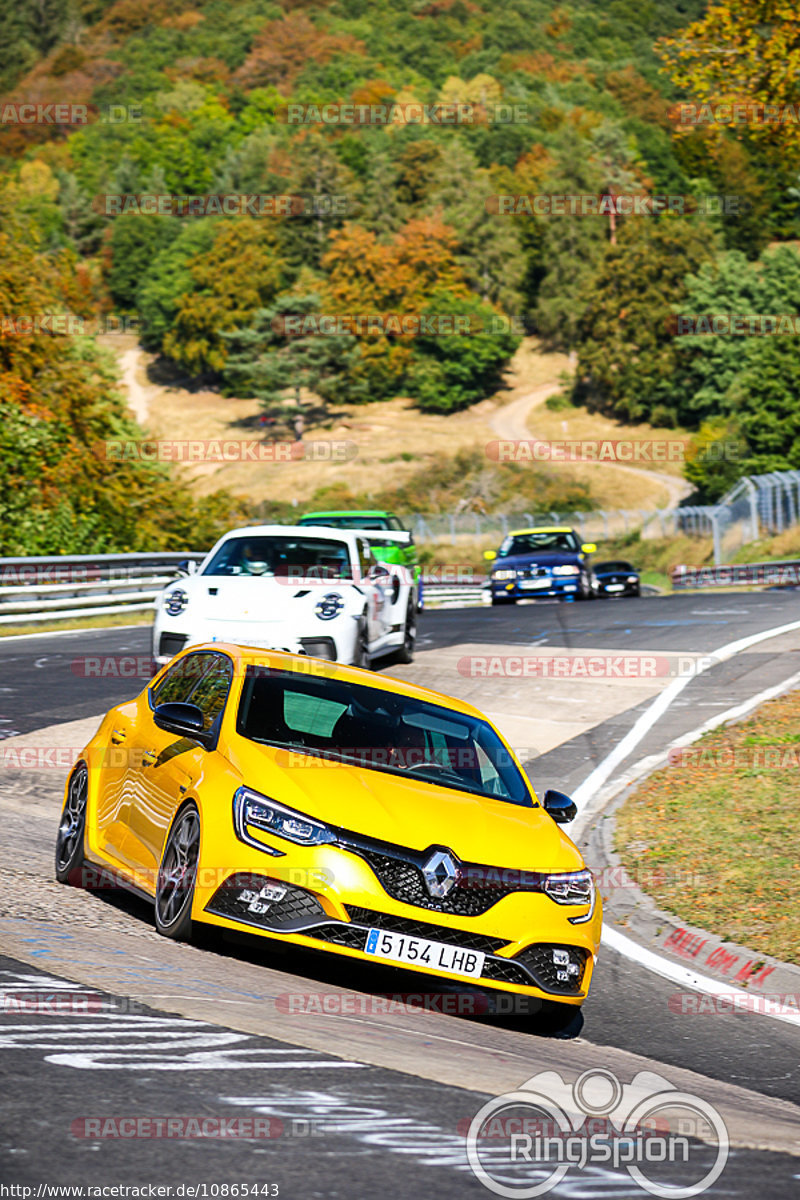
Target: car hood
[256,597]
[542,558]
[407,812]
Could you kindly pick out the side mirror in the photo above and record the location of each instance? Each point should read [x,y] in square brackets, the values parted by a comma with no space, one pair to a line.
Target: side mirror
[560,807]
[588,548]
[489,555]
[187,567]
[186,720]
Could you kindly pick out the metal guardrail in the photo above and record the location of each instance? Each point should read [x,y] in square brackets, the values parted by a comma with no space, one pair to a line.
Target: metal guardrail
[66,587]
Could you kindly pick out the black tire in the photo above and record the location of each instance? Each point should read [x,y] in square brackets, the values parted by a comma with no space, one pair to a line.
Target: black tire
[503,600]
[586,591]
[406,652]
[177,874]
[71,829]
[361,651]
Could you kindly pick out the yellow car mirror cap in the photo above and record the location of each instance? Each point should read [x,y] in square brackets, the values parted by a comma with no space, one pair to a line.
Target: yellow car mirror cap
[588,547]
[489,555]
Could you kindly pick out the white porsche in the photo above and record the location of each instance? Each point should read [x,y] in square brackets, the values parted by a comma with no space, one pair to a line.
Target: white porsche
[305,589]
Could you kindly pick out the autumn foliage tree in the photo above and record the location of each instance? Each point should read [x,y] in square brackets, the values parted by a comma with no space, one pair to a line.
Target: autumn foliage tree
[743,51]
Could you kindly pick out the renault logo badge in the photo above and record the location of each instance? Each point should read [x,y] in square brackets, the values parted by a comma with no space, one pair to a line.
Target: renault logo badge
[441,873]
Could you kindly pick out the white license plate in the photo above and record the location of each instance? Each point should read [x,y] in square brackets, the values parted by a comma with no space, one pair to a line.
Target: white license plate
[419,952]
[615,587]
[535,583]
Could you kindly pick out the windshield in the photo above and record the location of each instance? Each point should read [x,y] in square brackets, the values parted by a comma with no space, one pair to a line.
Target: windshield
[607,567]
[379,730]
[535,543]
[281,556]
[349,522]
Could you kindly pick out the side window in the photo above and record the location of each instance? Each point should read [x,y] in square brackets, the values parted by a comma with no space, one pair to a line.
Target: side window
[364,557]
[176,686]
[202,679]
[211,689]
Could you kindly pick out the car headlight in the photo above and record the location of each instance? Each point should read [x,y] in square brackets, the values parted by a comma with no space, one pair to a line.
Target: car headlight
[329,606]
[567,569]
[576,887]
[175,601]
[252,809]
[633,579]
[504,574]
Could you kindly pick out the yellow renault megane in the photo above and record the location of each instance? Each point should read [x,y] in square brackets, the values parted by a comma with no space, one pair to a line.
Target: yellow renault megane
[322,805]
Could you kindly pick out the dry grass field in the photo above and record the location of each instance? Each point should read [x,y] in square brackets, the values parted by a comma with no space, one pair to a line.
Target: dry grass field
[392,440]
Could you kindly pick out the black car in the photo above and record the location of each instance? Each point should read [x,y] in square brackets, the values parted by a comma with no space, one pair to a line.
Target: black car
[617,578]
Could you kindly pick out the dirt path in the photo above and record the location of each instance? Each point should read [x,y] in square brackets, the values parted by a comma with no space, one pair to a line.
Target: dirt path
[511,424]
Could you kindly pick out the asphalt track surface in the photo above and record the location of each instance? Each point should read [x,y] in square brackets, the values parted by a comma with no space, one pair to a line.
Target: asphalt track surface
[627,1010]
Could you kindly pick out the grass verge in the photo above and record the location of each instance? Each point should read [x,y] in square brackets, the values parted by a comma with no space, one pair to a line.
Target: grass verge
[716,832]
[110,621]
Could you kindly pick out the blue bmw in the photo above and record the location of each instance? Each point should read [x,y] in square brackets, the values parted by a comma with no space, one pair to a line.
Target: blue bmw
[549,561]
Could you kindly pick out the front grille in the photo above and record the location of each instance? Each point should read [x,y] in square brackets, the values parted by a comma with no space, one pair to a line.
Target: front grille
[255,900]
[539,961]
[341,935]
[464,939]
[404,881]
[505,970]
[170,644]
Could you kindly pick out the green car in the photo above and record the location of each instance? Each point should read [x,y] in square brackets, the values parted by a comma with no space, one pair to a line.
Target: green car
[396,548]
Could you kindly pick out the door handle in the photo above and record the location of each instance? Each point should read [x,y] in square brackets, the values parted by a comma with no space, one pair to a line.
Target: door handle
[149,757]
[118,736]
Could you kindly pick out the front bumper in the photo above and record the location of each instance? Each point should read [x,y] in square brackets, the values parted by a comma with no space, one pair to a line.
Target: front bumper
[329,898]
[168,642]
[569,586]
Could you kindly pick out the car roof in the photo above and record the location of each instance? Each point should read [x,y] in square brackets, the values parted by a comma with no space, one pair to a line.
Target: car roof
[280,660]
[349,512]
[328,531]
[543,529]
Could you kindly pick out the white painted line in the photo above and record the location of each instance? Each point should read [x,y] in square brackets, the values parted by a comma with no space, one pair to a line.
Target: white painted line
[587,790]
[686,977]
[653,761]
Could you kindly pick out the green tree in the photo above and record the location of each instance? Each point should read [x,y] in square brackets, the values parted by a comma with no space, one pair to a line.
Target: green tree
[169,277]
[276,362]
[448,372]
[135,242]
[627,355]
[240,274]
[487,247]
